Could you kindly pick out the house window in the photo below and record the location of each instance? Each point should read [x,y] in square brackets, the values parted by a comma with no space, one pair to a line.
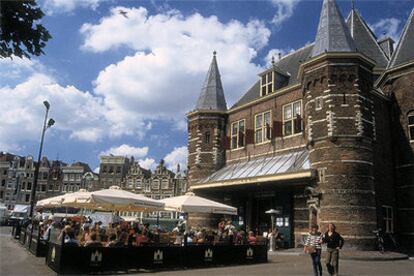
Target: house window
[388,219]
[267,84]
[29,186]
[165,184]
[318,103]
[118,170]
[104,169]
[156,184]
[292,120]
[147,188]
[411,125]
[27,198]
[262,129]
[3,182]
[138,184]
[207,137]
[279,221]
[321,175]
[238,132]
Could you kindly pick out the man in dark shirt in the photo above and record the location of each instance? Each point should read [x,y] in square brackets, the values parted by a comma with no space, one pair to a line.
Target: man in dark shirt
[334,243]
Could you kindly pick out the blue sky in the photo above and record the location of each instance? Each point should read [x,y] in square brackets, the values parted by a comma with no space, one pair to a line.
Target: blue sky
[122,84]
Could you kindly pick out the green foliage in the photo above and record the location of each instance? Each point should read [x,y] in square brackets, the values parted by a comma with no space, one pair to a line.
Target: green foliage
[20,34]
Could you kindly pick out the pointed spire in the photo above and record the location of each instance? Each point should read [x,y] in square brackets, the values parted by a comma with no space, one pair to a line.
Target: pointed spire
[365,40]
[212,94]
[404,52]
[333,34]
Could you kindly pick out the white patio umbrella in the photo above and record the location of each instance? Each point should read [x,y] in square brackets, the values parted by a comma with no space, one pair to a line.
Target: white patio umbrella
[116,199]
[190,203]
[79,199]
[50,202]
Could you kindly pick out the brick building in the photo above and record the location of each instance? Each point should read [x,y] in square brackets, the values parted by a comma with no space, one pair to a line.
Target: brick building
[112,170]
[161,183]
[74,177]
[17,178]
[326,134]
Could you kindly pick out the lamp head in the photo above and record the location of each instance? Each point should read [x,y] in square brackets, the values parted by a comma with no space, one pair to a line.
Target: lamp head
[50,123]
[46,103]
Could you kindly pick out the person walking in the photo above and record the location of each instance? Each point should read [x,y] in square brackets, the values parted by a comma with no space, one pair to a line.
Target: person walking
[313,246]
[334,243]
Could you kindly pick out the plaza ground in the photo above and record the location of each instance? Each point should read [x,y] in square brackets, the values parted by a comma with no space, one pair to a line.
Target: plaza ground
[15,260]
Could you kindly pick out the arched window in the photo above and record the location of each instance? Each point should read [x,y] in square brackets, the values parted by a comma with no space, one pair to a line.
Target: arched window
[411,125]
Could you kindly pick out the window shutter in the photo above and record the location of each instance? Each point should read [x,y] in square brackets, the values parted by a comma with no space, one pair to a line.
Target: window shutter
[240,143]
[225,142]
[249,136]
[298,123]
[277,129]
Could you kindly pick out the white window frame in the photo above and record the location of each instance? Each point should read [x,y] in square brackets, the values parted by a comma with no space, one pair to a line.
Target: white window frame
[155,185]
[410,125]
[138,183]
[236,135]
[262,129]
[292,118]
[163,182]
[388,218]
[268,85]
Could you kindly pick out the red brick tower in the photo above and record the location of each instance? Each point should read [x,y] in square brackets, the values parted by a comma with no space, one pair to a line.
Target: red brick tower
[340,129]
[206,128]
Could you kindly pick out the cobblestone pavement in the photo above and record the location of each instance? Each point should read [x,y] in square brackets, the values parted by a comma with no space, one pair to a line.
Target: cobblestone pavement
[15,260]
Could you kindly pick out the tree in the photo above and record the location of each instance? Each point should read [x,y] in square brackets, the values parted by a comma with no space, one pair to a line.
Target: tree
[20,34]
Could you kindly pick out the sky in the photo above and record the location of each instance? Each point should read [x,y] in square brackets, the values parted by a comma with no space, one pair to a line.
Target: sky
[122,83]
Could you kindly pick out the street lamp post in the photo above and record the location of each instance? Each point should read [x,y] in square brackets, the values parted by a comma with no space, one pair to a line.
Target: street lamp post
[46,125]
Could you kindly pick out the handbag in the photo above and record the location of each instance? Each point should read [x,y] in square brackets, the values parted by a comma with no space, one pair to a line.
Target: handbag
[310,249]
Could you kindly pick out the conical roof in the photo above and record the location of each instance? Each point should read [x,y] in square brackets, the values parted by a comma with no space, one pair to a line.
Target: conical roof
[405,49]
[333,34]
[365,40]
[212,94]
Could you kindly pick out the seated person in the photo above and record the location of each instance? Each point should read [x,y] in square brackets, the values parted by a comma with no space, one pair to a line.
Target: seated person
[141,239]
[251,239]
[122,241]
[112,240]
[70,238]
[93,242]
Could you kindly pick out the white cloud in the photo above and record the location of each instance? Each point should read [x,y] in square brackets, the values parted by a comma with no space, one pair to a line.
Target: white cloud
[64,6]
[387,27]
[15,70]
[77,113]
[284,10]
[96,170]
[163,78]
[177,156]
[147,163]
[127,150]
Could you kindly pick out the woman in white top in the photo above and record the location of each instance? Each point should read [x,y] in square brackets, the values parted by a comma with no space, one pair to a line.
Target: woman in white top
[313,246]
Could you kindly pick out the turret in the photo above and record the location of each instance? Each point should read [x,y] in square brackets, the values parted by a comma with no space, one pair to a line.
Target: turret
[206,128]
[339,120]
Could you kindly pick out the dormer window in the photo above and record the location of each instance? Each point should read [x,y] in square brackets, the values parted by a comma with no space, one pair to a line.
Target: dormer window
[266,84]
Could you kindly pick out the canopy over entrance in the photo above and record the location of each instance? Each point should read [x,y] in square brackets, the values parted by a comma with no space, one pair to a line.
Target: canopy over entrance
[282,167]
